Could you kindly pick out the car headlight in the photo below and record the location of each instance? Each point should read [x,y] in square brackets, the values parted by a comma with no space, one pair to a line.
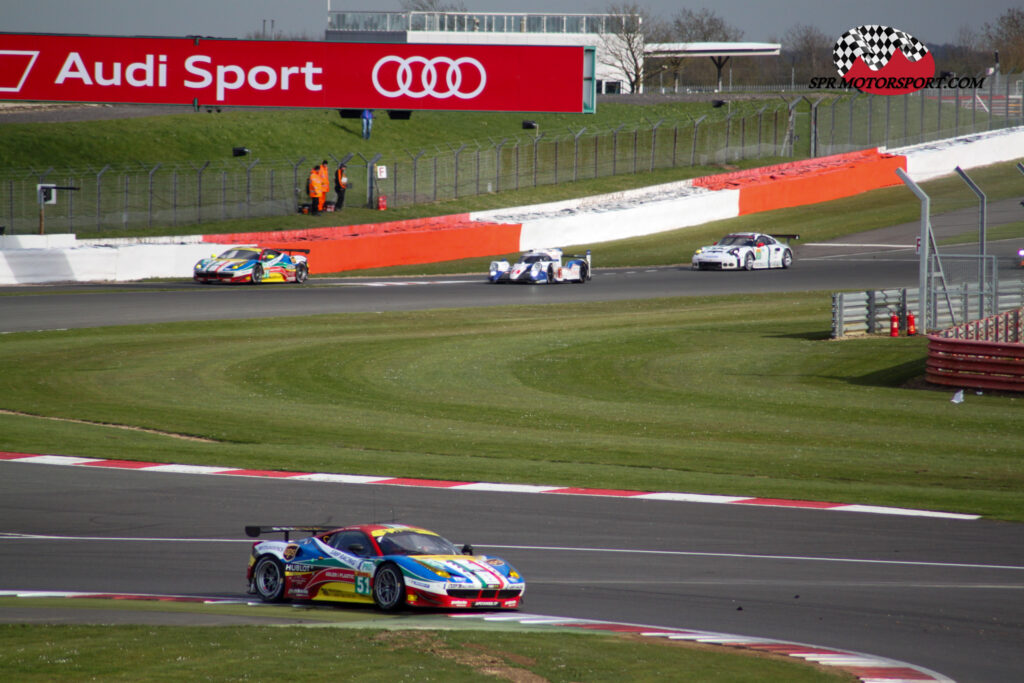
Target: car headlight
[1021,253]
[735,252]
[699,251]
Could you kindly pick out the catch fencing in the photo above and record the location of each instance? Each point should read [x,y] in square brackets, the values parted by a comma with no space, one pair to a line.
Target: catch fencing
[164,195]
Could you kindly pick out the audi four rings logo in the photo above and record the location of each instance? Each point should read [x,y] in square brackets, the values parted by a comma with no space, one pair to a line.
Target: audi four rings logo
[403,80]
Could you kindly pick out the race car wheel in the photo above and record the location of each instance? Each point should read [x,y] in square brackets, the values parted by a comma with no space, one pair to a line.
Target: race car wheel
[301,272]
[389,588]
[584,275]
[748,262]
[787,258]
[551,276]
[268,579]
[257,274]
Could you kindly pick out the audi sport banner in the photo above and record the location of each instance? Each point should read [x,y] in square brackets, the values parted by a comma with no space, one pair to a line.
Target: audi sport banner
[249,73]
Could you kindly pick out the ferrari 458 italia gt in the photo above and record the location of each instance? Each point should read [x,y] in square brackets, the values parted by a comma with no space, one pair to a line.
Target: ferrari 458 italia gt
[745,251]
[390,565]
[254,265]
[542,266]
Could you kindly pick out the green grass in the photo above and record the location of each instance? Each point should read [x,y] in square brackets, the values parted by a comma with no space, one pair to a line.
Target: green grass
[312,133]
[165,653]
[735,395]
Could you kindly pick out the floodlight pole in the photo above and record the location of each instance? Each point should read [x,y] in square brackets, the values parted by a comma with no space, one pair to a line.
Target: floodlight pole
[926,228]
[982,212]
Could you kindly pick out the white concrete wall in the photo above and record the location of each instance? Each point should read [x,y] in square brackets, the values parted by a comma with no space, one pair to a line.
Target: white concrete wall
[618,215]
[936,159]
[102,263]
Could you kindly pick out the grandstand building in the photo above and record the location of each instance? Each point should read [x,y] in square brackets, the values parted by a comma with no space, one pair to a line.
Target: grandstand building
[514,28]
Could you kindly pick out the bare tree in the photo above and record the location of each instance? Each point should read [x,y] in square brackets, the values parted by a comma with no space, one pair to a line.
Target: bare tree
[702,26]
[965,55]
[810,51]
[623,42]
[1007,36]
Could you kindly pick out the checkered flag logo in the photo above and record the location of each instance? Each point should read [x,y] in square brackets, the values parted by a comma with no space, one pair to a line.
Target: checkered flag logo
[875,45]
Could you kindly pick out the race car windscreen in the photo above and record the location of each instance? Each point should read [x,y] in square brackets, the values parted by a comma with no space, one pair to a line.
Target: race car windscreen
[534,258]
[413,543]
[729,240]
[247,254]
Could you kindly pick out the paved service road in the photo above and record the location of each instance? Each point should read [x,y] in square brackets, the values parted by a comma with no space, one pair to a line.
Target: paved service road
[943,594]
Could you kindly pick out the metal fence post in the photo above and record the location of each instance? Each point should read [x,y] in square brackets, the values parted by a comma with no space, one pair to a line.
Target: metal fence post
[871,311]
[920,135]
[456,155]
[636,134]
[888,103]
[675,144]
[556,160]
[871,112]
[837,315]
[415,171]
[728,131]
[478,169]
[149,203]
[693,146]
[99,195]
[615,147]
[248,185]
[71,207]
[497,164]
[199,190]
[654,140]
[124,204]
[174,198]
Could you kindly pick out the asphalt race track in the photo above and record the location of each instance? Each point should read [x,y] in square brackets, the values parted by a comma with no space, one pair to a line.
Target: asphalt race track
[939,593]
[944,594]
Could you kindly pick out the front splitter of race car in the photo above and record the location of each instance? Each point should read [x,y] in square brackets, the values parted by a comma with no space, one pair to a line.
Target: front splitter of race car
[716,262]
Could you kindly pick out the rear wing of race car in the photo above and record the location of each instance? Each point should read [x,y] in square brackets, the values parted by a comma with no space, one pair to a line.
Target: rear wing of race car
[788,238]
[583,256]
[292,251]
[257,531]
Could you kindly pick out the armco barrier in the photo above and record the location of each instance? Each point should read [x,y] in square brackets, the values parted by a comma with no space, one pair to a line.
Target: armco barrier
[808,182]
[964,356]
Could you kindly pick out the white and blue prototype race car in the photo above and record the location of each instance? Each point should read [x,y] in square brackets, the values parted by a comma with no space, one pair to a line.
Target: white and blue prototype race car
[542,266]
[745,251]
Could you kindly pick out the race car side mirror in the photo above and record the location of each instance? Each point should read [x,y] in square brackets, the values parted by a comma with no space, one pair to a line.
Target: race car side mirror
[467,549]
[760,244]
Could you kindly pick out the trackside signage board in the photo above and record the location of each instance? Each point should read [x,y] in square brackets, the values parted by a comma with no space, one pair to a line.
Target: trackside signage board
[251,73]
